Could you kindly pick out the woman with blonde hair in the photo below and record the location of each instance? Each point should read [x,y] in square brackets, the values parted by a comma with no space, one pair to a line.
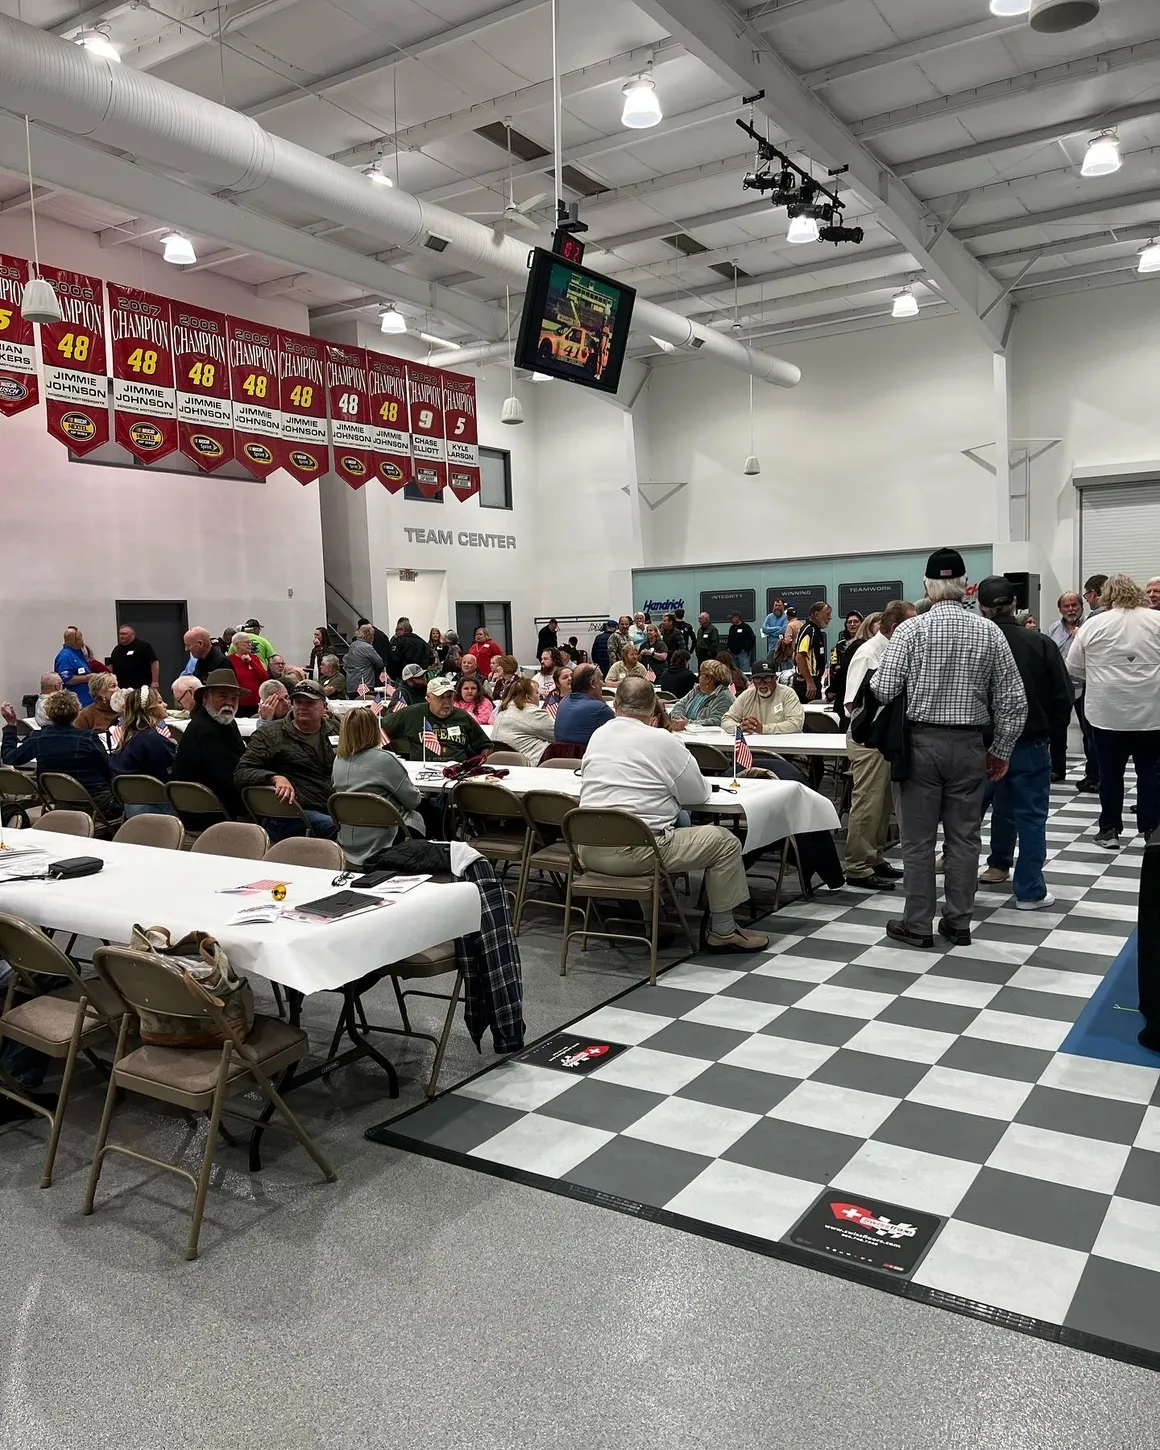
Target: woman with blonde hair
[100,715]
[505,671]
[709,702]
[143,750]
[522,723]
[1116,654]
[361,764]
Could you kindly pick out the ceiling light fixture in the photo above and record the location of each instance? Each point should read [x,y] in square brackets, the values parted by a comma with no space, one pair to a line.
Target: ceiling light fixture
[905,304]
[1054,17]
[512,410]
[178,250]
[1150,257]
[1102,156]
[802,228]
[392,321]
[376,173]
[39,302]
[1010,7]
[98,43]
[642,107]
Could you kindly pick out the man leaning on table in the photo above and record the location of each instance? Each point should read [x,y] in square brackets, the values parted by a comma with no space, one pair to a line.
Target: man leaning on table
[630,766]
[294,756]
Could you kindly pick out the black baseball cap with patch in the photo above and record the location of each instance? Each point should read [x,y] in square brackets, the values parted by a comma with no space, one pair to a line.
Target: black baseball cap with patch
[945,564]
[996,590]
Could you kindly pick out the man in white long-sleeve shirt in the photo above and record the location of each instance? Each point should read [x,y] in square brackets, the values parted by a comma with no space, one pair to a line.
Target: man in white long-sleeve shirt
[631,766]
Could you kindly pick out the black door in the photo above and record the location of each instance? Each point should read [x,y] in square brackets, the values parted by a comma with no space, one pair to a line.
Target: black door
[162,622]
[495,616]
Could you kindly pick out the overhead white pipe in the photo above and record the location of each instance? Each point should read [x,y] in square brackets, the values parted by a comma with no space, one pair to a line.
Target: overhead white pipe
[58,83]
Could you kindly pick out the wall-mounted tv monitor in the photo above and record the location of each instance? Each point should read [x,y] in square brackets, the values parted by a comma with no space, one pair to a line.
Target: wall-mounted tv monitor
[575,323]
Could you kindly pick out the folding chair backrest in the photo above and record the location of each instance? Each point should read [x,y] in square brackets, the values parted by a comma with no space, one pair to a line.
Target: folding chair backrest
[27,950]
[64,790]
[194,799]
[365,808]
[164,832]
[488,799]
[306,851]
[140,790]
[16,786]
[242,839]
[559,762]
[150,984]
[67,823]
[816,723]
[507,757]
[708,757]
[606,828]
[548,807]
[262,800]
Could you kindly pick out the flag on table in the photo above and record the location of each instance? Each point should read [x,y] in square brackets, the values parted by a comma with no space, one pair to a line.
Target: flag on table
[363,689]
[742,755]
[552,706]
[431,741]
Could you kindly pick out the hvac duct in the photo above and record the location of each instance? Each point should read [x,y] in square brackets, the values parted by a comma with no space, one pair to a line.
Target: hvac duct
[56,82]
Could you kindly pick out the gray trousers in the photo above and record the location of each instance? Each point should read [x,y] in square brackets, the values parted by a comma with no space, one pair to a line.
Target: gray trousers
[947,777]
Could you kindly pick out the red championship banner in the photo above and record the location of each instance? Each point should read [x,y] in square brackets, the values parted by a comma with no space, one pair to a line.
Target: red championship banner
[76,376]
[19,384]
[390,431]
[425,389]
[254,376]
[350,413]
[462,434]
[303,450]
[144,399]
[205,418]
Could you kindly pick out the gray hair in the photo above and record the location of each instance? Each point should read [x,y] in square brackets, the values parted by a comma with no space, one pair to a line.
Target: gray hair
[271,687]
[182,685]
[938,590]
[240,634]
[49,683]
[635,697]
[365,632]
[330,659]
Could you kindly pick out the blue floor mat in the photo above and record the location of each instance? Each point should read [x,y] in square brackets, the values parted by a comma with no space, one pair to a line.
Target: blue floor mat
[1107,1026]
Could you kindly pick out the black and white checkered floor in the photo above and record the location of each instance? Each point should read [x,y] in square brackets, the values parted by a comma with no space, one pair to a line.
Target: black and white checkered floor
[931,1080]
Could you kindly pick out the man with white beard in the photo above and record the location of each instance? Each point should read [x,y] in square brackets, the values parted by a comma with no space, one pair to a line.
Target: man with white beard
[211,745]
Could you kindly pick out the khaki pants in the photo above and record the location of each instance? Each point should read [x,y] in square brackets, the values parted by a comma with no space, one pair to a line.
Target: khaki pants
[871,807]
[688,848]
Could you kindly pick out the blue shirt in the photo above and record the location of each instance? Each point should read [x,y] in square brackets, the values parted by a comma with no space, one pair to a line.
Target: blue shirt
[774,628]
[577,718]
[61,748]
[68,664]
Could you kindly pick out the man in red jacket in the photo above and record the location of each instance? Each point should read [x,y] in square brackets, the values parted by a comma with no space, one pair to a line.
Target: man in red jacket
[485,650]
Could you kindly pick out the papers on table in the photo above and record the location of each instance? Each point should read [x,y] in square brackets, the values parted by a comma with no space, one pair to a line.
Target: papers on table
[256,915]
[21,861]
[252,888]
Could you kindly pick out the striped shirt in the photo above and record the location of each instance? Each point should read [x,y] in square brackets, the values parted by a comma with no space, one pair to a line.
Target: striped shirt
[957,669]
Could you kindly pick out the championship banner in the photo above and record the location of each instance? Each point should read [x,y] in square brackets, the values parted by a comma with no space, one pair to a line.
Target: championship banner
[425,389]
[76,378]
[462,435]
[205,431]
[19,384]
[390,433]
[144,399]
[350,413]
[303,450]
[254,377]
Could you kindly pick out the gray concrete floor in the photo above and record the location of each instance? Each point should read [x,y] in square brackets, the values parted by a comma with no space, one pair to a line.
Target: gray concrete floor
[413,1304]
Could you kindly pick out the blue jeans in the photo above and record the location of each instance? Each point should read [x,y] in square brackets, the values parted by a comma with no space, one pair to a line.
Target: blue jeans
[1019,812]
[131,811]
[743,659]
[320,824]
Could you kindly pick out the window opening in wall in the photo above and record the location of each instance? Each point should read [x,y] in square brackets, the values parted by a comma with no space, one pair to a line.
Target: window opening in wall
[495,475]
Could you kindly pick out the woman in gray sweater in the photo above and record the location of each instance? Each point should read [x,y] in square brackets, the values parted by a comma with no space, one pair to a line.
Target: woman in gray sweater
[362,764]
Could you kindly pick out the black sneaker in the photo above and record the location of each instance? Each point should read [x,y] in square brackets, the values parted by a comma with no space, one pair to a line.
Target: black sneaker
[1109,840]
[958,936]
[874,882]
[1088,786]
[1059,777]
[897,932]
[888,868]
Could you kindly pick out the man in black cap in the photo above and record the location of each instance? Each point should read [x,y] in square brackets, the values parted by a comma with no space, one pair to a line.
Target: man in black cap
[959,676]
[1019,801]
[211,744]
[294,756]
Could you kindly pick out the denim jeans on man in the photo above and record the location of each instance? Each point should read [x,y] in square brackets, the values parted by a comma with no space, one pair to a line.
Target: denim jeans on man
[25,1064]
[321,824]
[1019,805]
[743,659]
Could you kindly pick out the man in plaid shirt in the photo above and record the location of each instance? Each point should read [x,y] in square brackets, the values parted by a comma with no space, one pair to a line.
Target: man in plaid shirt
[959,677]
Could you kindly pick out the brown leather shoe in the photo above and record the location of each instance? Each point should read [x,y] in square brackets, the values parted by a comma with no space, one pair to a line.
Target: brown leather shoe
[737,941]
[897,932]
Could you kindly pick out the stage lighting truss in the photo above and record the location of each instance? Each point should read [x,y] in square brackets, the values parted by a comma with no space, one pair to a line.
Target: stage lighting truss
[801,194]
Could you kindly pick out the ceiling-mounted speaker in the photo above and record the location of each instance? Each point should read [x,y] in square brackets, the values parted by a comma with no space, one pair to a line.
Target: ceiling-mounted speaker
[1053,17]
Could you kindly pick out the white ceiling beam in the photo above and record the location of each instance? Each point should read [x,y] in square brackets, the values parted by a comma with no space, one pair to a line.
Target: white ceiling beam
[861,320]
[1089,242]
[20,200]
[779,306]
[88,16]
[186,33]
[850,257]
[218,259]
[1056,131]
[1081,280]
[136,230]
[766,17]
[87,171]
[1016,183]
[722,39]
[780,283]
[395,56]
[911,50]
[1084,68]
[1020,223]
[279,286]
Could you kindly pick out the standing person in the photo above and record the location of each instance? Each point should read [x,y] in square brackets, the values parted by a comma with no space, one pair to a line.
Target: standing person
[600,645]
[741,642]
[1093,590]
[361,664]
[437,651]
[485,650]
[134,661]
[381,641]
[262,646]
[654,654]
[686,631]
[620,638]
[708,643]
[1061,634]
[1152,590]
[871,803]
[548,637]
[1019,801]
[774,627]
[958,673]
[842,646]
[639,628]
[841,658]
[320,646]
[810,652]
[204,655]
[72,665]
[1117,655]
[405,648]
[250,670]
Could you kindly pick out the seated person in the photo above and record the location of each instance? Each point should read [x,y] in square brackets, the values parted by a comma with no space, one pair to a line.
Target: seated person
[100,715]
[522,723]
[630,767]
[469,670]
[58,746]
[143,749]
[544,678]
[766,707]
[452,734]
[294,756]
[362,764]
[72,665]
[628,666]
[708,703]
[584,710]
[293,675]
[505,670]
[561,688]
[211,745]
[331,678]
[250,670]
[678,679]
[469,696]
[184,692]
[413,690]
[273,702]
[50,683]
[276,667]
[572,651]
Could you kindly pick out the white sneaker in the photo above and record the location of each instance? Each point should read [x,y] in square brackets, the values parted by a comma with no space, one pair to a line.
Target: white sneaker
[1041,905]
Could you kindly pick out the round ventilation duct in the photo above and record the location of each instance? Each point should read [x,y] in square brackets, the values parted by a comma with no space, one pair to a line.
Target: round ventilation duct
[1052,17]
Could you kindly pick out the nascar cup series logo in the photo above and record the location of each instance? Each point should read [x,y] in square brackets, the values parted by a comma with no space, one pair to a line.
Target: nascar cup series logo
[258,453]
[354,466]
[391,471]
[205,445]
[146,436]
[78,427]
[307,462]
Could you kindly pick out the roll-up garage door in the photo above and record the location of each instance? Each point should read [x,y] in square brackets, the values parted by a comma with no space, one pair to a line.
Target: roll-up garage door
[1120,529]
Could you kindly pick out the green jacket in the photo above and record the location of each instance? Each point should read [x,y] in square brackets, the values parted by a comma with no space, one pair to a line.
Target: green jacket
[262,648]
[703,709]
[459,734]
[281,749]
[708,645]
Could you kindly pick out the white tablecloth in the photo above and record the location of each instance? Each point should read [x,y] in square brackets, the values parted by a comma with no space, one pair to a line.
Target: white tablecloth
[806,743]
[773,809]
[179,890]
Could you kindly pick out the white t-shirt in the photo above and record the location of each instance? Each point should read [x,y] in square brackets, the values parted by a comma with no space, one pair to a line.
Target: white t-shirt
[1117,654]
[867,657]
[631,766]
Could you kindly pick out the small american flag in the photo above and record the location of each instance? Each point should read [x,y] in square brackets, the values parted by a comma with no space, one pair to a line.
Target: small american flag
[552,706]
[431,741]
[742,755]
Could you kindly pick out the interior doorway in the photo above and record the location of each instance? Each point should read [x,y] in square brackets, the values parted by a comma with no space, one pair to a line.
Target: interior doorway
[495,616]
[162,622]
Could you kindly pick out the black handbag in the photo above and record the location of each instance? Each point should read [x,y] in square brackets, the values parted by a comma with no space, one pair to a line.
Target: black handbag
[882,727]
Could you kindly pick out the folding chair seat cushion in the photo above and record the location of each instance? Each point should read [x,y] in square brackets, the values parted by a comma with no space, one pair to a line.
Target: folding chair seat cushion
[430,962]
[51,1017]
[193,1072]
[598,883]
[551,858]
[507,848]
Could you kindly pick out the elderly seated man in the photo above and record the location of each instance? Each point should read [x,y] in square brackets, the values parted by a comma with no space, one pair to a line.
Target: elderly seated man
[331,677]
[184,691]
[50,683]
[295,756]
[436,727]
[632,767]
[211,744]
[766,708]
[273,702]
[276,667]
[709,702]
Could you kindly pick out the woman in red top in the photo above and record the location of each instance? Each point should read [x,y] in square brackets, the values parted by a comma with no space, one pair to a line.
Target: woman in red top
[250,670]
[485,650]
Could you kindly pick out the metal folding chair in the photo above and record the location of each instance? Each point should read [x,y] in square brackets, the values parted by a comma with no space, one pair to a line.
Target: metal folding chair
[140,790]
[306,851]
[164,832]
[263,803]
[710,760]
[65,792]
[18,795]
[485,808]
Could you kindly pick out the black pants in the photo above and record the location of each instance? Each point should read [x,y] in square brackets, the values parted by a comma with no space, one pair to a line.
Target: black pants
[1114,748]
[1059,746]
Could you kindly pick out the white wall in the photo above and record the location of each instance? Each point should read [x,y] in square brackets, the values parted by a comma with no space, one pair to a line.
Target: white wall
[76,537]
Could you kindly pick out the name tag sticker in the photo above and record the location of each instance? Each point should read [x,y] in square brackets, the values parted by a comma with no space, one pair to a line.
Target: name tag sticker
[454,732]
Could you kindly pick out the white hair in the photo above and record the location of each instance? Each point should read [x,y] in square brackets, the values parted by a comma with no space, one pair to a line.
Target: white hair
[938,590]
[240,634]
[271,687]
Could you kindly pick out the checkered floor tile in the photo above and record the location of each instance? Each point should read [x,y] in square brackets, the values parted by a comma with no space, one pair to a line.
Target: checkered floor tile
[931,1080]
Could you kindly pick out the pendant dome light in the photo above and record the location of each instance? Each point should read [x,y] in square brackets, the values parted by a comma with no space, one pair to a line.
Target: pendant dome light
[642,107]
[39,303]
